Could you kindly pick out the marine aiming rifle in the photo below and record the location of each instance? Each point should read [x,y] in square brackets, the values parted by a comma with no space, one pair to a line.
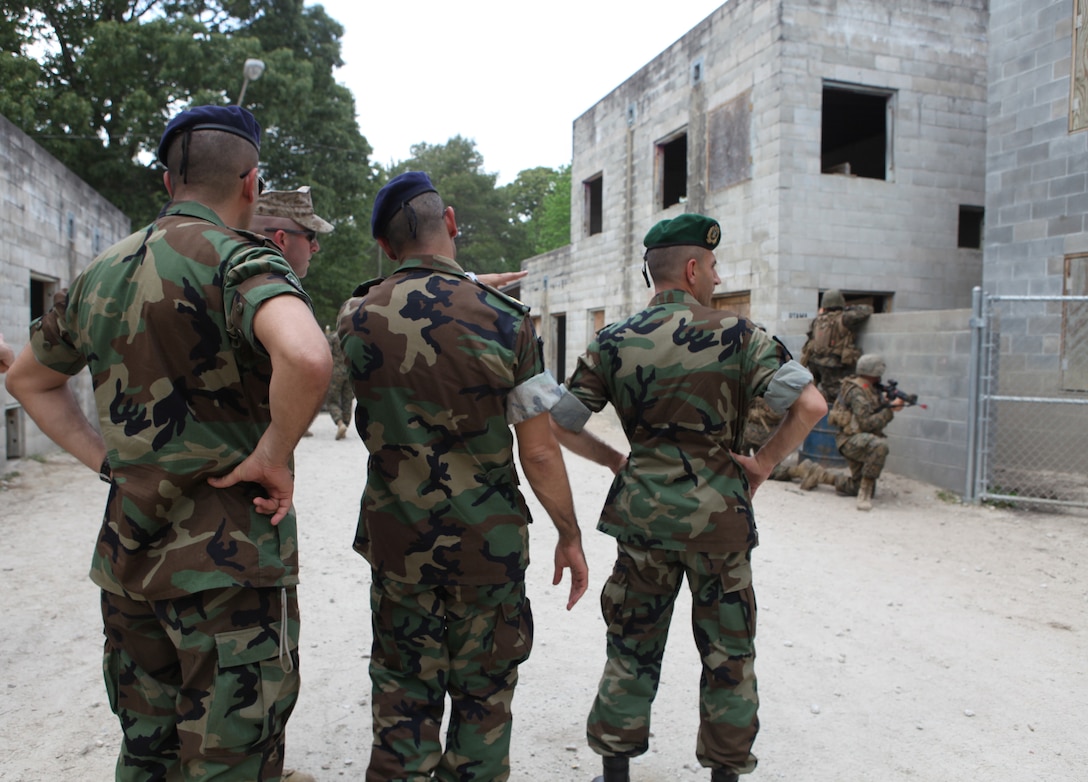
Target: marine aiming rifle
[891,392]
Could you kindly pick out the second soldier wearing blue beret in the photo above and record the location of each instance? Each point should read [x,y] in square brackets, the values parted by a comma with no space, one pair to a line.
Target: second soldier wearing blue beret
[443,367]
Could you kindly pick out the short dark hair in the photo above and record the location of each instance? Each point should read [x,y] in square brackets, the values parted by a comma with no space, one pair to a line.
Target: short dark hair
[421,219]
[215,159]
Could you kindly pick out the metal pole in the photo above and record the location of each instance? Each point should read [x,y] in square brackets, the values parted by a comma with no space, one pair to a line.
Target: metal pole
[977,324]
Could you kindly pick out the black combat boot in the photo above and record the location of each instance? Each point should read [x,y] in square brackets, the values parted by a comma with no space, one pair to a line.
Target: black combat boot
[723,775]
[615,770]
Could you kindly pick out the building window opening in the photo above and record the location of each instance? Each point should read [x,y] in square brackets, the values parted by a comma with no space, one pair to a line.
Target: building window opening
[672,158]
[594,198]
[855,139]
[559,330]
[970,231]
[41,296]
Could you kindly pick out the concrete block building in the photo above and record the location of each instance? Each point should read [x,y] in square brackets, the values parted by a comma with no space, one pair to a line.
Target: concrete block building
[841,144]
[52,224]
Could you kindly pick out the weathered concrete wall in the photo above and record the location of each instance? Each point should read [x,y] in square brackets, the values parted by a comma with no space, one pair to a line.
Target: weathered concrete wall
[52,224]
[897,235]
[1037,172]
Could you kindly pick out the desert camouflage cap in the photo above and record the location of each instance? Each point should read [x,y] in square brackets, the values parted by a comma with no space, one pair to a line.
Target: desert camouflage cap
[295,205]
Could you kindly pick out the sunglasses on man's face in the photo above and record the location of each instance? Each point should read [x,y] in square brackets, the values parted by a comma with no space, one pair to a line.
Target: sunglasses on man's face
[311,236]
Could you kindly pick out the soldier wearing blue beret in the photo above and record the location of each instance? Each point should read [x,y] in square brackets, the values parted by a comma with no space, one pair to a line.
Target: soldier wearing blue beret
[443,367]
[208,366]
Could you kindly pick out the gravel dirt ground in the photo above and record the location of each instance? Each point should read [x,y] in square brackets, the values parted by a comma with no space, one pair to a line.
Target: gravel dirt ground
[925,640]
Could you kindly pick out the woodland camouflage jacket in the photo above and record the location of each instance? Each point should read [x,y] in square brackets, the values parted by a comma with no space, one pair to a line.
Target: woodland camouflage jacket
[164,322]
[434,358]
[681,377]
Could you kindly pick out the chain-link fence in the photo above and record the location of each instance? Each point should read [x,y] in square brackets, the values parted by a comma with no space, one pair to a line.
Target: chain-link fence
[1029,397]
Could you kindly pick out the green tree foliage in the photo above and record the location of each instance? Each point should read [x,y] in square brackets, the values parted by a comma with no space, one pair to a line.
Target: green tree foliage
[539,204]
[456,169]
[96,81]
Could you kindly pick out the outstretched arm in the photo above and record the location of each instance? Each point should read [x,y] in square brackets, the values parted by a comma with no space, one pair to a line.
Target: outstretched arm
[589,446]
[542,462]
[7,356]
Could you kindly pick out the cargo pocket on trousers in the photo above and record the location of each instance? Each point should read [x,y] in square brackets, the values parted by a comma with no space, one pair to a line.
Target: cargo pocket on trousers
[253,694]
[613,596]
[737,622]
[513,640]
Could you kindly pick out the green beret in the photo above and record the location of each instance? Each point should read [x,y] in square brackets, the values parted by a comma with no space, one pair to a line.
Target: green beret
[687,229]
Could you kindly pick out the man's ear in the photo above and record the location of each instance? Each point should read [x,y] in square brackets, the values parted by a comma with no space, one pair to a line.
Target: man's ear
[690,268]
[451,222]
[166,183]
[384,244]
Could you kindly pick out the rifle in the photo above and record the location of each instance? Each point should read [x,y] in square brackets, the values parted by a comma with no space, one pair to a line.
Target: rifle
[891,392]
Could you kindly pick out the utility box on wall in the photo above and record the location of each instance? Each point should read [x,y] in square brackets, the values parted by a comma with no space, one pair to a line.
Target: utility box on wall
[13,432]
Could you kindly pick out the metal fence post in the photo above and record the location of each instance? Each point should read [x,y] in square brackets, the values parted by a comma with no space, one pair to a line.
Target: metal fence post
[977,324]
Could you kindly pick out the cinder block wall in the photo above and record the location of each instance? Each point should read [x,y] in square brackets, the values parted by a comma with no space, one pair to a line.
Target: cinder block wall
[898,235]
[929,354]
[52,224]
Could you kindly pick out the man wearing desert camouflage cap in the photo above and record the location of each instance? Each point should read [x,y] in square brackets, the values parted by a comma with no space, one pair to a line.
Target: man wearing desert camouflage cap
[287,218]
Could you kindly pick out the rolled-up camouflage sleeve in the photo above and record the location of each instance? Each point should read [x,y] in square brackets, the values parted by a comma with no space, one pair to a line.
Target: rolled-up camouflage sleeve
[570,413]
[52,341]
[537,395]
[786,385]
[252,278]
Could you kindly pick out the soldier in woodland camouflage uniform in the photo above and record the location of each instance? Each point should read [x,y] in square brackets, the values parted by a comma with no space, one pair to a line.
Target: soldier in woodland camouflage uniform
[207,365]
[287,218]
[442,366]
[341,394]
[681,375]
[760,426]
[862,412]
[830,351]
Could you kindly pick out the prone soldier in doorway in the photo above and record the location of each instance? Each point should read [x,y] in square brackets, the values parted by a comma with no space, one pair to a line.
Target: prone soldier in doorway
[830,352]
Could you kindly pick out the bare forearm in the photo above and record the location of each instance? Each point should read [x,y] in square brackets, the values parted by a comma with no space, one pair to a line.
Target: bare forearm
[805,413]
[547,475]
[589,446]
[301,369]
[50,402]
[542,463]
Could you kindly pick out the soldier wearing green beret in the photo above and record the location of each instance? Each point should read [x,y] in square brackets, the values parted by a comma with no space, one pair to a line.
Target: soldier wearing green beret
[681,375]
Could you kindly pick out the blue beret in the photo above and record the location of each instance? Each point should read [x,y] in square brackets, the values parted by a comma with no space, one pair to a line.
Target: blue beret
[392,198]
[229,119]
[687,229]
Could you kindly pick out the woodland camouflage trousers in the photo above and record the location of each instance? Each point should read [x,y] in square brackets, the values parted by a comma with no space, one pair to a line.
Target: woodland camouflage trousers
[203,685]
[637,604]
[430,641]
[865,454]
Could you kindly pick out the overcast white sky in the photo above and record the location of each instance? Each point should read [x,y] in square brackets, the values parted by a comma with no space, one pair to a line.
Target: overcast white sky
[512,76]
